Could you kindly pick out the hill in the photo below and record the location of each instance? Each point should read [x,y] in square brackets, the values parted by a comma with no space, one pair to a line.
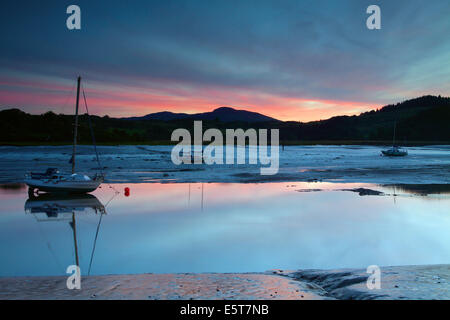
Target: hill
[425,119]
[224,114]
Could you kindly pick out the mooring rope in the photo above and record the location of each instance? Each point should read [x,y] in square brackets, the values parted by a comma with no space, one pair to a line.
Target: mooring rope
[93,139]
[92,134]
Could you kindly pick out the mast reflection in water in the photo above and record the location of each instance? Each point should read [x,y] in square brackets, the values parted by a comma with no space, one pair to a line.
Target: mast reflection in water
[65,208]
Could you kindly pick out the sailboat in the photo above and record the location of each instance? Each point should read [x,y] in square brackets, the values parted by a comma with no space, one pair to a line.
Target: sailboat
[53,181]
[394,151]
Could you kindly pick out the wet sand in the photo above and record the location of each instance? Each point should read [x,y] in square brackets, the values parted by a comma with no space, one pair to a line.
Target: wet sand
[160,287]
[397,283]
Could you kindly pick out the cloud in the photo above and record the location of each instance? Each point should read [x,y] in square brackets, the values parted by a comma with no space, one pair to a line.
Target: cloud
[191,56]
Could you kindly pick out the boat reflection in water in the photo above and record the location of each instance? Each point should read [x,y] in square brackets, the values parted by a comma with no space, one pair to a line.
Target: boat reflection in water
[65,208]
[50,207]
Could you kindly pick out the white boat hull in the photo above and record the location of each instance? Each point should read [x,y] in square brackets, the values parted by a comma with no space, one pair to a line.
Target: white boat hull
[63,186]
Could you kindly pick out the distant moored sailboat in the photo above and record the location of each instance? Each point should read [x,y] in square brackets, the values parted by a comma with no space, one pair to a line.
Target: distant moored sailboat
[395,151]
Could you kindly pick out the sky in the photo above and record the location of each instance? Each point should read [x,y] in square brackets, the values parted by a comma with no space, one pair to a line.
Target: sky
[289,59]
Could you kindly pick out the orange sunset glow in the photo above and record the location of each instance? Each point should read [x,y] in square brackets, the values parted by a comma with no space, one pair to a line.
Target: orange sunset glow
[125,101]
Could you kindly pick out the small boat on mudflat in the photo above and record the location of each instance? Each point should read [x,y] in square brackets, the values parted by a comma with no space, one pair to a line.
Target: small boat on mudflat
[54,181]
[394,151]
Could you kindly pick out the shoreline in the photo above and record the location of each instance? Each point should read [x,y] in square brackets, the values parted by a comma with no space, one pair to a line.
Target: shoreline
[285,143]
[397,283]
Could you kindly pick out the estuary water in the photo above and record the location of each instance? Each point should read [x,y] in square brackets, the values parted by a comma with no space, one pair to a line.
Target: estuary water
[223,227]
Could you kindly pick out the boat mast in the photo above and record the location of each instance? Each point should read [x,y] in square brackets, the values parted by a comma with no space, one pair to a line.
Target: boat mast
[76,125]
[393,139]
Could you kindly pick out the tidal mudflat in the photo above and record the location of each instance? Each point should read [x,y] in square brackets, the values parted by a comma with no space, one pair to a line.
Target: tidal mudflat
[405,282]
[132,164]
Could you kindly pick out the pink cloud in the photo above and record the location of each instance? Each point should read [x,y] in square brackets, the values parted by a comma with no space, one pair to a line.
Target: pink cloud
[119,101]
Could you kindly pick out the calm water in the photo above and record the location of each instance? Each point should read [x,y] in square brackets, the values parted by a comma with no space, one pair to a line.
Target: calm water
[164,228]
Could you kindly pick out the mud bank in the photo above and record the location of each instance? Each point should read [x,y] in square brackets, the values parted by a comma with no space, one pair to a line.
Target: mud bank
[397,283]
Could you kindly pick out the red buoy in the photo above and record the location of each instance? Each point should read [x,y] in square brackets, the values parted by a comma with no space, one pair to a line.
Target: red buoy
[127,192]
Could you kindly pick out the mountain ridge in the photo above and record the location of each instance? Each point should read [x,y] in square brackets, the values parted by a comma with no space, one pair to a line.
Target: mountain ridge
[422,119]
[224,114]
